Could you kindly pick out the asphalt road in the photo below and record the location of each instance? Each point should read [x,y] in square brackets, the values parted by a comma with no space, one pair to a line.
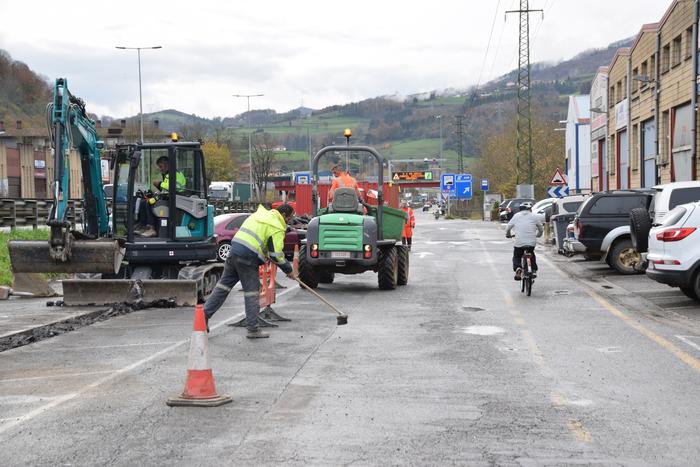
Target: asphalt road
[458,367]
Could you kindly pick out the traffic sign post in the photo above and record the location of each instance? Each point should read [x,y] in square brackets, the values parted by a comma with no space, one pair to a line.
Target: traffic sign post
[484,184]
[558,191]
[412,176]
[447,183]
[463,186]
[303,178]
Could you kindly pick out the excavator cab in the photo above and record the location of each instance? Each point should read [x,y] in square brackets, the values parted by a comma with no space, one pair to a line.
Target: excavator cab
[177,216]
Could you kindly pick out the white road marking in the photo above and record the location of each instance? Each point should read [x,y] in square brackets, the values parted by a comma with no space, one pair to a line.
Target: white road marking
[81,349]
[126,369]
[62,375]
[434,242]
[483,330]
[423,254]
[687,340]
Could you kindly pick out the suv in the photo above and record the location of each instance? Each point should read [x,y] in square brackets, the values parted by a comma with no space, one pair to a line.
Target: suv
[667,197]
[509,207]
[674,250]
[601,228]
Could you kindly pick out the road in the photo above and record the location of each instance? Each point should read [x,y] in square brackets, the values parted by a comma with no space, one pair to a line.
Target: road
[458,367]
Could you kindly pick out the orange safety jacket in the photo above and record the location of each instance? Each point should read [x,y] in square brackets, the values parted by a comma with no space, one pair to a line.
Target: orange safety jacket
[345,180]
[410,222]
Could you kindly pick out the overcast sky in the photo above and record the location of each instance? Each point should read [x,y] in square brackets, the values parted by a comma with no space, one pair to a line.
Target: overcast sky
[318,52]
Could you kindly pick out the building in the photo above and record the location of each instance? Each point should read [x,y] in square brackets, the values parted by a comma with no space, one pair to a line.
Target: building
[578,144]
[599,130]
[651,121]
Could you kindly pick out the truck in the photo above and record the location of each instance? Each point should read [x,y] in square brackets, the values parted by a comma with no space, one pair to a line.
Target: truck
[229,191]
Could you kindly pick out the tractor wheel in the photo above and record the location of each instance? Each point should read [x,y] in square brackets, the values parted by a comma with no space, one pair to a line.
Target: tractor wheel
[325,277]
[388,268]
[306,272]
[402,265]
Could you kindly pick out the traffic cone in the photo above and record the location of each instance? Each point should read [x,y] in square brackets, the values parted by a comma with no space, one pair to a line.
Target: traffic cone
[295,260]
[200,389]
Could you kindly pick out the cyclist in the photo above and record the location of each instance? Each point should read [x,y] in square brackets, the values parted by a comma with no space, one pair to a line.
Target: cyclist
[527,227]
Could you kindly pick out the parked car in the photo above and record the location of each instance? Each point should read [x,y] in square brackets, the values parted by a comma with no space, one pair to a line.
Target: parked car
[540,208]
[674,250]
[226,226]
[427,206]
[666,198]
[602,228]
[509,207]
[563,212]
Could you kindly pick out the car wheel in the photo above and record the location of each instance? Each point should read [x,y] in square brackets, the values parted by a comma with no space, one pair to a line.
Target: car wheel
[640,225]
[388,268]
[403,263]
[223,251]
[623,257]
[689,292]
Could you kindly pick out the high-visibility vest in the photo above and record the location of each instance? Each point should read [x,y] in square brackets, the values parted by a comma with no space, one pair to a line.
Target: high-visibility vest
[258,229]
[180,181]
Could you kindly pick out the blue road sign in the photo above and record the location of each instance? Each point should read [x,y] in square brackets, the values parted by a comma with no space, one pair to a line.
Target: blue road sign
[484,184]
[447,183]
[302,178]
[463,186]
[558,191]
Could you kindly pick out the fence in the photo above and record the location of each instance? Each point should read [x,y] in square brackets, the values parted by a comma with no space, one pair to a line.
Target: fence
[24,213]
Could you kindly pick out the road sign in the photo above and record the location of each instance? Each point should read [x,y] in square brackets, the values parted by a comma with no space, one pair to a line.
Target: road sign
[484,184]
[447,183]
[463,186]
[558,191]
[411,176]
[302,179]
[557,179]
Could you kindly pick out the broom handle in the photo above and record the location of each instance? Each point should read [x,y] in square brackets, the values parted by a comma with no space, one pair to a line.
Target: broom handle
[320,297]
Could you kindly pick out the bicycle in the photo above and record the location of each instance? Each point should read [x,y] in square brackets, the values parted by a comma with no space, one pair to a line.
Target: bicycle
[526,280]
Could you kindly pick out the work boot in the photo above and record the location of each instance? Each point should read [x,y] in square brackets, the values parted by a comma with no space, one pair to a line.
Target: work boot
[149,232]
[256,334]
[518,274]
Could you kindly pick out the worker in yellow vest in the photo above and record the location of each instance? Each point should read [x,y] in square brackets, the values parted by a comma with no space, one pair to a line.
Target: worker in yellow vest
[261,237]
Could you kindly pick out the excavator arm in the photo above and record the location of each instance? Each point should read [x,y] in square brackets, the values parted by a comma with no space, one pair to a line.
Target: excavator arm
[69,250]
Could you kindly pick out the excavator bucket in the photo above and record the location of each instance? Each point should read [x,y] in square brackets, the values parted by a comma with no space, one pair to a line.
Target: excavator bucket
[87,256]
[83,292]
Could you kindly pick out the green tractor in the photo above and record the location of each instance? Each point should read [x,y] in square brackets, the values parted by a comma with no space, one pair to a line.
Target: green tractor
[350,237]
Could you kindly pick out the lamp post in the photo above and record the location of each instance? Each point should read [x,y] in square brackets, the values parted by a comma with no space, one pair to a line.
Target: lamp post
[348,134]
[439,117]
[250,146]
[138,53]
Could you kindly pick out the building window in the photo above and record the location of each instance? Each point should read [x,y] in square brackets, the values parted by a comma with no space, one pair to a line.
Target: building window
[612,155]
[652,66]
[676,51]
[688,43]
[665,58]
[619,91]
[645,73]
[611,97]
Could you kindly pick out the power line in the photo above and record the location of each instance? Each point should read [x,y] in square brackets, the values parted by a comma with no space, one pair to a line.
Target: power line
[488,45]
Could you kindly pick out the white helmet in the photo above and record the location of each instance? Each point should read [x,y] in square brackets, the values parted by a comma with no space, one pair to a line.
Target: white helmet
[526,205]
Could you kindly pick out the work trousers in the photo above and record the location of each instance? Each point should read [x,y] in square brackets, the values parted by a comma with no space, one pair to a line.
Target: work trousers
[144,214]
[518,257]
[238,269]
[407,241]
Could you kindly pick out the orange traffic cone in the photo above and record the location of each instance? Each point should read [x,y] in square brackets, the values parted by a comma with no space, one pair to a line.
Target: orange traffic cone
[200,389]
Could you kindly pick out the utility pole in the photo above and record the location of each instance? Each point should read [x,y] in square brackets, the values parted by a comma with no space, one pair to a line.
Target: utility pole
[459,122]
[524,131]
[250,146]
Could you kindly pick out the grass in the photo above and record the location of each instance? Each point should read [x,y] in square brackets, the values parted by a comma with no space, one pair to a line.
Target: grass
[20,234]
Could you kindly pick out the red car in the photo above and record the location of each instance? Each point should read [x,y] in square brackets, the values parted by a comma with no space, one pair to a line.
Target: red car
[226,226]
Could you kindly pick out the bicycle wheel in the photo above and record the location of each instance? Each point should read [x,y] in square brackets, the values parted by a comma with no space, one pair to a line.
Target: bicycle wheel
[529,284]
[523,266]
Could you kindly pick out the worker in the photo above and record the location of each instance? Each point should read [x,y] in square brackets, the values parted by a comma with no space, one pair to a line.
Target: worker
[260,238]
[342,179]
[164,168]
[409,225]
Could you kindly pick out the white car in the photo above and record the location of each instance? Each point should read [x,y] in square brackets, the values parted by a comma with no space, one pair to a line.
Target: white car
[674,250]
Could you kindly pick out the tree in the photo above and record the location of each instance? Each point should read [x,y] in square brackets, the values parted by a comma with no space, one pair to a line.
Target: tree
[219,162]
[263,156]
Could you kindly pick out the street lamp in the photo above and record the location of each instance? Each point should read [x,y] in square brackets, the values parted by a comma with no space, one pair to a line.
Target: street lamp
[250,147]
[138,52]
[348,134]
[439,117]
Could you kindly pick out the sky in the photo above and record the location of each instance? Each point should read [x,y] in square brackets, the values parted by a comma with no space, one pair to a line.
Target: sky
[315,52]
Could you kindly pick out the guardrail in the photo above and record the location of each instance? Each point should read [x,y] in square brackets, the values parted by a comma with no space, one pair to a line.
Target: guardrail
[25,213]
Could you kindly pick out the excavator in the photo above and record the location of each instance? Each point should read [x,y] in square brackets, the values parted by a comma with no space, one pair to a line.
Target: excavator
[112,259]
